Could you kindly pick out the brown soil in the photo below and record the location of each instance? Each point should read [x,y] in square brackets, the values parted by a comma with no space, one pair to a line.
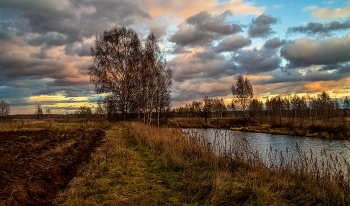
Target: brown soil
[35,165]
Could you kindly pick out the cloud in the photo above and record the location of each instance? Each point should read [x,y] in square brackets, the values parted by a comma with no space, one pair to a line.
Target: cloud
[233,43]
[189,36]
[310,8]
[158,31]
[201,65]
[257,61]
[177,49]
[59,22]
[306,52]
[340,68]
[277,6]
[339,91]
[192,89]
[202,28]
[313,28]
[330,13]
[274,43]
[216,24]
[184,9]
[41,55]
[261,26]
[80,49]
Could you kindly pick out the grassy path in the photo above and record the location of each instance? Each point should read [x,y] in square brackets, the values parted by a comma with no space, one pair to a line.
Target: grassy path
[121,173]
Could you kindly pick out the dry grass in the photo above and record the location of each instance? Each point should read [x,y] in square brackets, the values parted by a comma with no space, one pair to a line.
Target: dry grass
[240,176]
[141,165]
[30,124]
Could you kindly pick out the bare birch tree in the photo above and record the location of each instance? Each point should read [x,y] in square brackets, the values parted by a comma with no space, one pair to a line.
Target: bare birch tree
[116,56]
[135,77]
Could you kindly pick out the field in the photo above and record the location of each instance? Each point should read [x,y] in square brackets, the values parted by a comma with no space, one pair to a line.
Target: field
[131,163]
[36,164]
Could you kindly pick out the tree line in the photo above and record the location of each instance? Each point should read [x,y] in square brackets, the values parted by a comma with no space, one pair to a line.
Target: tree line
[281,110]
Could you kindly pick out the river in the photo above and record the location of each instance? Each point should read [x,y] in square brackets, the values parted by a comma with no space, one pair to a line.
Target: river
[274,149]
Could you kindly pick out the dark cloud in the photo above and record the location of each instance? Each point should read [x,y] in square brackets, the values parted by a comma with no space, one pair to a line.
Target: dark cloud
[341,69]
[261,26]
[51,39]
[233,43]
[202,28]
[208,64]
[66,23]
[274,43]
[41,55]
[313,28]
[177,49]
[187,96]
[257,61]
[189,36]
[79,49]
[279,77]
[217,24]
[306,52]
[158,31]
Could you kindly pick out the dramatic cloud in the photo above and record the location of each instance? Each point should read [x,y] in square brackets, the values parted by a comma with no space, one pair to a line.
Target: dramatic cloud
[189,36]
[233,43]
[313,28]
[45,48]
[261,26]
[274,43]
[203,28]
[341,69]
[59,23]
[306,52]
[257,61]
[216,24]
[158,31]
[201,65]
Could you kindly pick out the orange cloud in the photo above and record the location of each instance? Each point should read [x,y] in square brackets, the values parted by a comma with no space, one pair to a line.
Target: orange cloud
[336,87]
[184,8]
[329,13]
[55,98]
[339,91]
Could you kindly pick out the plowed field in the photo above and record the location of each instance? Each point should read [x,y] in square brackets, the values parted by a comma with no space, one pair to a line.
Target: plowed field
[35,165]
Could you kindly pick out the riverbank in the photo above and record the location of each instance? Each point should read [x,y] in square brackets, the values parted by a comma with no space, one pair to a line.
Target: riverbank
[141,165]
[332,130]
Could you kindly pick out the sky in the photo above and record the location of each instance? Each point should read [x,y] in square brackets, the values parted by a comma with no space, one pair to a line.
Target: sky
[281,46]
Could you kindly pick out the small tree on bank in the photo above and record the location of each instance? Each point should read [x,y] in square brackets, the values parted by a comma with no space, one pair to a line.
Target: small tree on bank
[4,109]
[38,111]
[242,96]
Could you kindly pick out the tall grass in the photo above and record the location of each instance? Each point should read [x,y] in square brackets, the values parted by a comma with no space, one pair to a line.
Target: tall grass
[238,174]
